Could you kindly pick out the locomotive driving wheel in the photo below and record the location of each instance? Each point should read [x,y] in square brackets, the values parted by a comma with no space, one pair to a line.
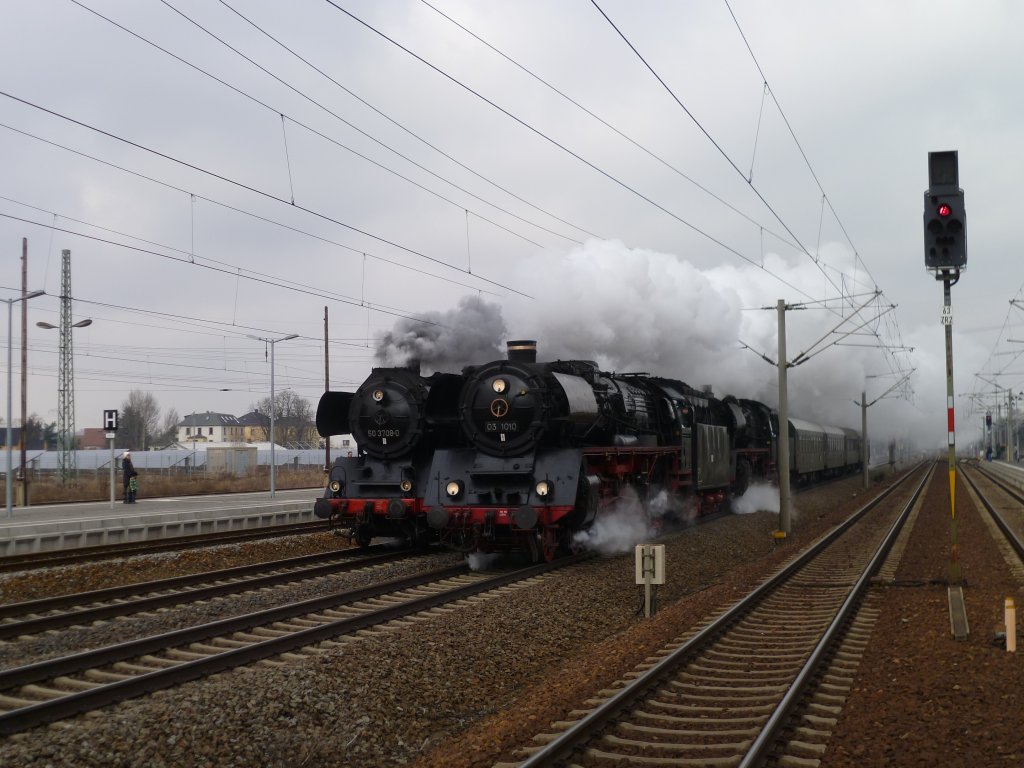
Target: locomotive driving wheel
[743,475]
[363,536]
[548,539]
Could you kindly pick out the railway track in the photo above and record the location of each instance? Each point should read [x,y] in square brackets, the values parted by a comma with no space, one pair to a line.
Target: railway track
[58,688]
[19,619]
[754,683]
[32,560]
[1010,527]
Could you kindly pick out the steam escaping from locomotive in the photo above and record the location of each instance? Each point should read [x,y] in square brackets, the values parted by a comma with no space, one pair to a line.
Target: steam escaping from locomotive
[603,439]
[759,497]
[625,524]
[631,309]
[448,341]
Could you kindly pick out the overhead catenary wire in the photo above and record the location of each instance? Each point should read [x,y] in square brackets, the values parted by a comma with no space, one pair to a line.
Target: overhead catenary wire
[188,324]
[254,190]
[726,156]
[322,135]
[192,257]
[568,151]
[757,263]
[796,141]
[319,293]
[220,204]
[647,151]
[703,130]
[240,330]
[405,128]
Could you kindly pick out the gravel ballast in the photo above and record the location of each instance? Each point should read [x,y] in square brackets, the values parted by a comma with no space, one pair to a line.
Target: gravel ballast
[461,688]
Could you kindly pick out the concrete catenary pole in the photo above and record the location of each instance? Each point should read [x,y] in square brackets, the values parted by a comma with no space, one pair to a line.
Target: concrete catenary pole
[24,369]
[864,453]
[784,502]
[327,386]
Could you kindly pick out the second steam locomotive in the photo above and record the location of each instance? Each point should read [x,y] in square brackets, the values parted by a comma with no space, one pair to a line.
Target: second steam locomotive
[520,455]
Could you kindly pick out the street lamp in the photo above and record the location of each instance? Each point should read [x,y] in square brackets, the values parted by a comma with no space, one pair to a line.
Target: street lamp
[79,324]
[272,342]
[66,456]
[864,405]
[10,386]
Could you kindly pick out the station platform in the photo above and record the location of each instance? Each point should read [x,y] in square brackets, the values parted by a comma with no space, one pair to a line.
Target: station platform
[65,526]
[1010,473]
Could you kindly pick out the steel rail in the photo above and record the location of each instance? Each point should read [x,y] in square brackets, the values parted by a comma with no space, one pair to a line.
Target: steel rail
[83,701]
[32,560]
[836,629]
[565,744]
[138,597]
[1011,536]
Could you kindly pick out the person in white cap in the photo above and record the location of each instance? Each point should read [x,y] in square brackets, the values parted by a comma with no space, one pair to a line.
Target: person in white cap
[128,474]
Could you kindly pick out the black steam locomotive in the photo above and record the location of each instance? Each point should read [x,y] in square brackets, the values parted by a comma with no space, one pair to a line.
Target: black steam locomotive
[551,445]
[516,454]
[397,418]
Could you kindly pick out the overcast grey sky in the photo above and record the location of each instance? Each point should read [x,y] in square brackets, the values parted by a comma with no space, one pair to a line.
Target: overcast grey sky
[429,176]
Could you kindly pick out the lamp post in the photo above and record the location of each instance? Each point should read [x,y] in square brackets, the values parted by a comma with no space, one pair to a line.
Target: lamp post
[865,452]
[67,460]
[273,408]
[10,386]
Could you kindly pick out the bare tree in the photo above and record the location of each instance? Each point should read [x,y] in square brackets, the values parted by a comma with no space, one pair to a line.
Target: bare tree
[169,431]
[293,416]
[140,417]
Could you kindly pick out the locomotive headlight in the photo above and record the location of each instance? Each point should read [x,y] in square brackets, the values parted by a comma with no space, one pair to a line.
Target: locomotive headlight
[406,486]
[499,385]
[543,488]
[335,486]
[454,488]
[378,395]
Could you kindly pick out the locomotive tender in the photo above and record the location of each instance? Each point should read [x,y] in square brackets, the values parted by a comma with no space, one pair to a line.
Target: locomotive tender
[516,454]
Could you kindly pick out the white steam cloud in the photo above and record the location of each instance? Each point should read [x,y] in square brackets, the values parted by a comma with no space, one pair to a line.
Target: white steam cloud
[758,498]
[635,310]
[622,525]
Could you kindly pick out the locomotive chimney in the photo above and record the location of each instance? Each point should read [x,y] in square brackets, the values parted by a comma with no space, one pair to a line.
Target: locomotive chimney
[522,351]
[413,365]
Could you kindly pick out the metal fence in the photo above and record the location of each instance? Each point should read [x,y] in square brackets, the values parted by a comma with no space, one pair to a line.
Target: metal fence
[165,462]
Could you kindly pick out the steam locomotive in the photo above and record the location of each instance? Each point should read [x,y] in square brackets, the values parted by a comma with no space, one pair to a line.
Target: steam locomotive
[520,455]
[397,418]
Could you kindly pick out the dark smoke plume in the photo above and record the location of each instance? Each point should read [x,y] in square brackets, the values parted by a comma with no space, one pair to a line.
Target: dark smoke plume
[471,333]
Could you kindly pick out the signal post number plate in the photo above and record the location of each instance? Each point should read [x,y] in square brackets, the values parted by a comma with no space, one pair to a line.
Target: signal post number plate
[947,316]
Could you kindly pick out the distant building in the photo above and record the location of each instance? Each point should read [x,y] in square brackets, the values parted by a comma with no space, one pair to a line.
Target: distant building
[255,427]
[344,443]
[15,437]
[210,427]
[93,438]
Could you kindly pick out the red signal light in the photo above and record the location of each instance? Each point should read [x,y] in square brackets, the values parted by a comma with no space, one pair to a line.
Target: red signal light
[944,210]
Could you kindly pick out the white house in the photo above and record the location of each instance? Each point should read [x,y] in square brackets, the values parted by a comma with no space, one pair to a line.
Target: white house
[210,428]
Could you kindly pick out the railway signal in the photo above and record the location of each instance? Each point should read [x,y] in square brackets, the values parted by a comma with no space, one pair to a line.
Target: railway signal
[945,217]
[945,252]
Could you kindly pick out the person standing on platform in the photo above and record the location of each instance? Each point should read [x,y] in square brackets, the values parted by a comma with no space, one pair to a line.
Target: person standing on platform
[128,475]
